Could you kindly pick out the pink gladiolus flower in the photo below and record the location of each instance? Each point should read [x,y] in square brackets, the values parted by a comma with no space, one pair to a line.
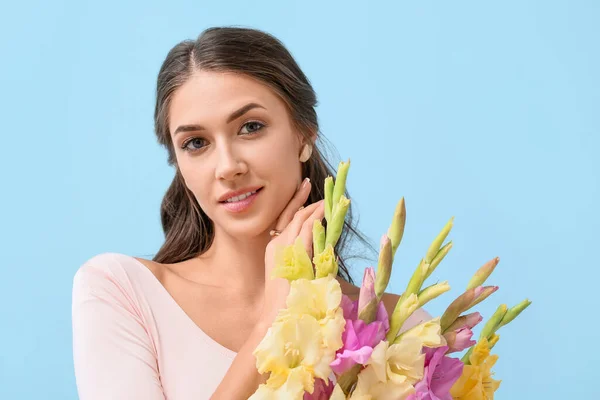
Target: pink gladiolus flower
[440,373]
[349,307]
[322,390]
[359,338]
[459,340]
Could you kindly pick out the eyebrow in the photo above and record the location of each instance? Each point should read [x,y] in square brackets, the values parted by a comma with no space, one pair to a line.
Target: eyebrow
[234,115]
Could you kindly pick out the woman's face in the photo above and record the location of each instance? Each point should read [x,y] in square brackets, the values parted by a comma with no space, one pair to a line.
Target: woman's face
[232,133]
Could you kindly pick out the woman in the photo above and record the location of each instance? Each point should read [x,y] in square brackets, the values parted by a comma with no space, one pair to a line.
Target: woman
[237,116]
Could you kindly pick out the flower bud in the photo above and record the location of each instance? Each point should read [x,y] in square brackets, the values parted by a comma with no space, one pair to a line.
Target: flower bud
[396,230]
[367,289]
[513,312]
[328,198]
[494,322]
[433,291]
[404,308]
[384,266]
[438,258]
[493,340]
[318,237]
[457,307]
[334,229]
[482,294]
[339,187]
[466,321]
[437,242]
[483,273]
[459,340]
[416,281]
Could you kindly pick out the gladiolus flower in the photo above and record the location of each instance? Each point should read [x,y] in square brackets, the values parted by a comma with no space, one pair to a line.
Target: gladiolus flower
[459,339]
[293,352]
[441,372]
[292,262]
[359,338]
[476,382]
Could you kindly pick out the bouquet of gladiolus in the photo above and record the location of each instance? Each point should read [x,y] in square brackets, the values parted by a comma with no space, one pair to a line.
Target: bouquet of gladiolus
[326,346]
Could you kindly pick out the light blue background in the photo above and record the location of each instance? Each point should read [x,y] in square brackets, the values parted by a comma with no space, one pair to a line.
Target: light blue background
[488,111]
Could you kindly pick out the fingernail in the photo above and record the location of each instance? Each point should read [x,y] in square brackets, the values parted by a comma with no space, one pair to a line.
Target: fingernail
[305,183]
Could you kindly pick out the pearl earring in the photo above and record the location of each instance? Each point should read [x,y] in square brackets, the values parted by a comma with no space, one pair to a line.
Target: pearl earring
[306,153]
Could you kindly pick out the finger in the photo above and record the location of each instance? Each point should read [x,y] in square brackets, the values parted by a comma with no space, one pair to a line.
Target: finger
[294,205]
[290,232]
[302,216]
[306,231]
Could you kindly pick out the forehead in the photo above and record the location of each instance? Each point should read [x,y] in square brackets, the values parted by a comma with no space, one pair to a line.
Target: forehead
[209,97]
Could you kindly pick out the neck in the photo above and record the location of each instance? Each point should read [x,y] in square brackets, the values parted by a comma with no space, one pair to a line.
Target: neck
[237,263]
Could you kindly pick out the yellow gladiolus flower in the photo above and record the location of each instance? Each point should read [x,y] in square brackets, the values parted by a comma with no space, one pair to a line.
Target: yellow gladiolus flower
[369,387]
[325,263]
[292,387]
[401,362]
[428,333]
[293,352]
[391,371]
[292,262]
[476,382]
[320,299]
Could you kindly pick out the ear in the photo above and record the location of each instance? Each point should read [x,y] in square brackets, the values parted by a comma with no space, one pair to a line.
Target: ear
[307,137]
[312,136]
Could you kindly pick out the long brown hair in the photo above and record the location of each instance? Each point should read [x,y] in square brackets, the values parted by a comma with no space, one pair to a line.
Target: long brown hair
[188,230]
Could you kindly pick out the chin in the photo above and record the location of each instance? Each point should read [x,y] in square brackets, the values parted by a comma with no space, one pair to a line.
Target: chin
[246,228]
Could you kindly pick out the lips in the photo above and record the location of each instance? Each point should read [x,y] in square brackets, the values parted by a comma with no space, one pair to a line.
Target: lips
[237,193]
[242,204]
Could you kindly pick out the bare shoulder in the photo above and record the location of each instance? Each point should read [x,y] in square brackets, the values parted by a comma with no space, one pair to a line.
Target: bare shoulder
[156,268]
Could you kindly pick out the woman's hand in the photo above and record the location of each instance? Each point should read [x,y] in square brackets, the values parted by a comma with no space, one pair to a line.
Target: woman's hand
[295,221]
[242,377]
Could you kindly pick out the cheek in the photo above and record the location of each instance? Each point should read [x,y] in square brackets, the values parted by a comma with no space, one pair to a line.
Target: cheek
[195,182]
[280,156]
[283,169]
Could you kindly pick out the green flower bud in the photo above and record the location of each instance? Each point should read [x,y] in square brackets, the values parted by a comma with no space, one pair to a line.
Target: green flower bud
[328,206]
[339,187]
[396,230]
[437,243]
[417,279]
[384,266]
[494,322]
[334,229]
[431,292]
[318,237]
[513,312]
[404,308]
[438,258]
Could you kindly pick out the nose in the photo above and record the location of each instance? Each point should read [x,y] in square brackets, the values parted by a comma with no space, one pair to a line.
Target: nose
[229,164]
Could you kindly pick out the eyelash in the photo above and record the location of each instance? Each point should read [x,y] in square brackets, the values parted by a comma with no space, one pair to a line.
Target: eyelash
[185,144]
